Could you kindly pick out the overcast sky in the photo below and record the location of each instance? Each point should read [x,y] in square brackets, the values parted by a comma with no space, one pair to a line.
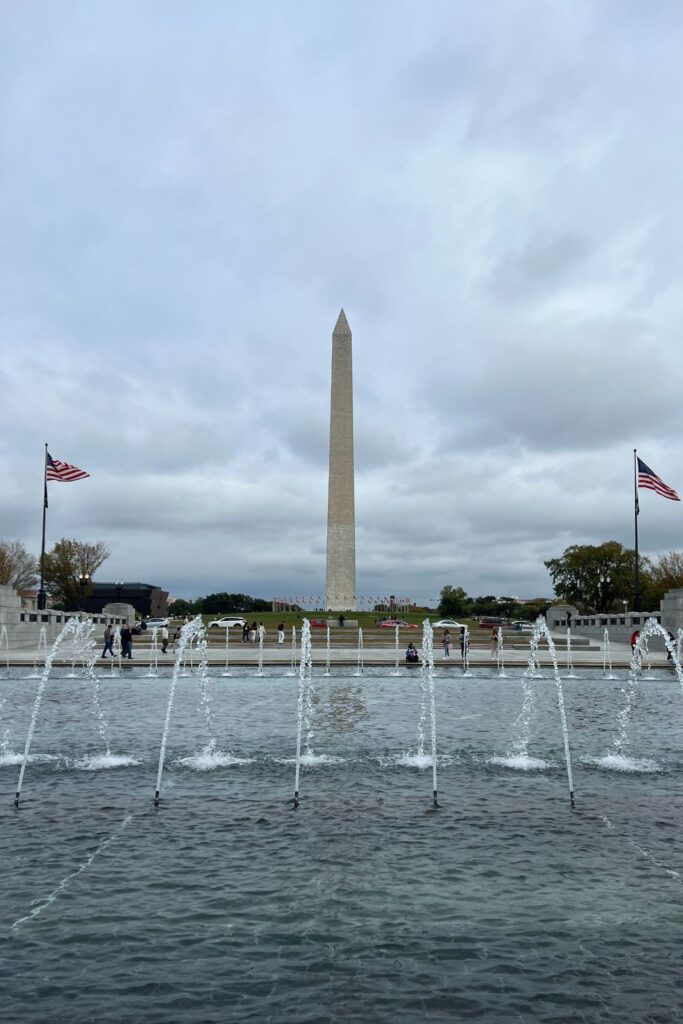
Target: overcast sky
[190,192]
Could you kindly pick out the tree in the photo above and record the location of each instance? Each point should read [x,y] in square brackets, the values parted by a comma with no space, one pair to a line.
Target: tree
[665,574]
[68,560]
[223,603]
[453,601]
[487,605]
[180,608]
[18,568]
[595,576]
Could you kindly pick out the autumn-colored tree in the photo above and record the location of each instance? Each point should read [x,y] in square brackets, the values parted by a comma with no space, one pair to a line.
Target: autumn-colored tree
[666,574]
[65,563]
[18,568]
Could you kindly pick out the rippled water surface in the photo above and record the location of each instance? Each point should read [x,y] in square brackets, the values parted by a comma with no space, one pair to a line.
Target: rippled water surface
[364,904]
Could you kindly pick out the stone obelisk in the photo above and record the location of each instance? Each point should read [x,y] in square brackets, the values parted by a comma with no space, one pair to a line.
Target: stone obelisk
[340,578]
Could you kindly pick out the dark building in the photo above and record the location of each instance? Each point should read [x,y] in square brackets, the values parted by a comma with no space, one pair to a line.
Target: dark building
[148,601]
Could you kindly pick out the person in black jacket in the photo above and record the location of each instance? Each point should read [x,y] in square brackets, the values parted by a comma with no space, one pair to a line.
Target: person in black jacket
[126,642]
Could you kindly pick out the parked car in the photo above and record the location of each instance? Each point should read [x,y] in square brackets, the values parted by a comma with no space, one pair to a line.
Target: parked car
[448,624]
[144,624]
[318,623]
[392,623]
[523,627]
[227,622]
[489,622]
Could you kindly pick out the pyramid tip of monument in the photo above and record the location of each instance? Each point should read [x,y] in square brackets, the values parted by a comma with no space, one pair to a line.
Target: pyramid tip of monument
[342,324]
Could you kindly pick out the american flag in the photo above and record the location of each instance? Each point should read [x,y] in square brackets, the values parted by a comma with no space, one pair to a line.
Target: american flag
[56,470]
[647,478]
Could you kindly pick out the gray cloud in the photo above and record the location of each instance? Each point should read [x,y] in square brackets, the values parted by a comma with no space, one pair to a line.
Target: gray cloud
[187,199]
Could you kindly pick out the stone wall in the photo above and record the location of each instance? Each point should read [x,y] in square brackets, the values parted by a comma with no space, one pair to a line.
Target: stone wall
[620,624]
[24,624]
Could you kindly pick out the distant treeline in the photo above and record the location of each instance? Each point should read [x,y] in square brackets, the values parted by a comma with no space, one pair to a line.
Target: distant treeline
[219,604]
[456,602]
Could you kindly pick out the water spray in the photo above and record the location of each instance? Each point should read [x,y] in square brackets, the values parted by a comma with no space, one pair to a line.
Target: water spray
[427,672]
[187,634]
[67,632]
[305,667]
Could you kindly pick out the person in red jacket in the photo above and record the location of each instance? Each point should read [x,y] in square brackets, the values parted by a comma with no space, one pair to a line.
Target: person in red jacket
[634,638]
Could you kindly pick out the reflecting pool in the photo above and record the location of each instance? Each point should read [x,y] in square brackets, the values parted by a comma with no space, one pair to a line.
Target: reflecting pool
[365,904]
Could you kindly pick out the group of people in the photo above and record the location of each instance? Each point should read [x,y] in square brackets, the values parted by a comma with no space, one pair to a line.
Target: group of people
[251,633]
[126,640]
[635,636]
[448,645]
[412,654]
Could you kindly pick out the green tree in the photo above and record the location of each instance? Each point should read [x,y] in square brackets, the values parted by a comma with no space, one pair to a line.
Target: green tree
[487,605]
[508,607]
[222,603]
[18,568]
[180,608]
[453,602]
[68,560]
[597,576]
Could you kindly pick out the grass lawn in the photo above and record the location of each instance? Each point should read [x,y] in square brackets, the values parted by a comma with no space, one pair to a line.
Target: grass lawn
[366,620]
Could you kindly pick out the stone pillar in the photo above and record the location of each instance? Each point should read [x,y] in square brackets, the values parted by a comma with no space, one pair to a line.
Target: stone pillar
[340,577]
[672,611]
[10,607]
[119,612]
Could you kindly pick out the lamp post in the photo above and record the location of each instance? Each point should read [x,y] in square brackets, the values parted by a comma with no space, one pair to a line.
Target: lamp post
[604,583]
[118,586]
[83,582]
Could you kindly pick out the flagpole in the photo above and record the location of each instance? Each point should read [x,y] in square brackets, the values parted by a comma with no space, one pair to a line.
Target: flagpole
[42,596]
[636,596]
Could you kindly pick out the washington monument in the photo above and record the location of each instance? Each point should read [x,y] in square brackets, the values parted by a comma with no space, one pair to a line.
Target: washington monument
[340,576]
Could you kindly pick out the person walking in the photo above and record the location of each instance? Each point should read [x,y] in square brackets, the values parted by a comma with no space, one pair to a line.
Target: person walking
[670,643]
[176,638]
[108,641]
[494,643]
[164,639]
[634,638]
[281,633]
[341,620]
[245,633]
[446,641]
[252,633]
[126,642]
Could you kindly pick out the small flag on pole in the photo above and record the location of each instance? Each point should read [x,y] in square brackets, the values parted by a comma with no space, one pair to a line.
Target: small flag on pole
[56,470]
[647,478]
